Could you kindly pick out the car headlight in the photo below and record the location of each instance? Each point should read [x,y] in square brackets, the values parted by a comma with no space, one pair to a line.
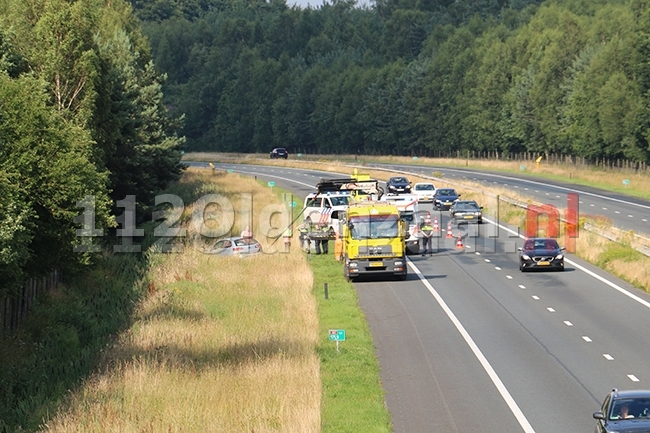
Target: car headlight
[353,265]
[525,256]
[399,263]
[477,213]
[559,257]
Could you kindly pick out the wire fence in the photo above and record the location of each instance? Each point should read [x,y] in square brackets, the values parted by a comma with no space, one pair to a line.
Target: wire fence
[14,309]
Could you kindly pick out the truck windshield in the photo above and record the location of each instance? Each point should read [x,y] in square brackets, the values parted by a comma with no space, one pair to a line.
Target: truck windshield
[374,227]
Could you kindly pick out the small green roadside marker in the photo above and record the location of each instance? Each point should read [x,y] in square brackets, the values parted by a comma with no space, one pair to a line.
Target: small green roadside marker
[337,335]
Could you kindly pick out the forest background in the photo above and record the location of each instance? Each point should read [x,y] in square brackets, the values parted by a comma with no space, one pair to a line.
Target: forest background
[408,77]
[98,97]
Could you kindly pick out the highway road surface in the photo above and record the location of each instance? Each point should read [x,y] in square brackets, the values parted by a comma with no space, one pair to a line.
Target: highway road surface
[470,344]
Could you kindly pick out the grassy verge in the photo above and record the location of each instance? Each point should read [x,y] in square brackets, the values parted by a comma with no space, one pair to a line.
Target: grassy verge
[352,395]
[219,344]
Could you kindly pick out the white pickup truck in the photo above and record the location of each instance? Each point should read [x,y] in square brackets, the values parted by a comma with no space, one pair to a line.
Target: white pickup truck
[326,207]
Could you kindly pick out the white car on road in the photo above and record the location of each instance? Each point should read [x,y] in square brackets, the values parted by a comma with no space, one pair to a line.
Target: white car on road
[424,191]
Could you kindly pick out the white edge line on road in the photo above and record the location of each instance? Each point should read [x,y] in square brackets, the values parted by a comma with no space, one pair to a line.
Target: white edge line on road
[519,415]
[571,262]
[585,270]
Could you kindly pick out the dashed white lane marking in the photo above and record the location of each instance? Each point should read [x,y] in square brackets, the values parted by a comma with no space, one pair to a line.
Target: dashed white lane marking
[617,211]
[557,196]
[535,297]
[509,277]
[497,268]
[487,260]
[631,216]
[587,271]
[592,205]
[644,220]
[521,286]
[477,253]
[547,193]
[608,357]
[580,201]
[526,189]
[567,323]
[633,378]
[587,339]
[604,208]
[551,309]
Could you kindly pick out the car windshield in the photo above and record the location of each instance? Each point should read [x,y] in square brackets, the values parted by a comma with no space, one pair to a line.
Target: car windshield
[446,192]
[374,227]
[243,242]
[340,201]
[467,206]
[629,408]
[399,180]
[425,187]
[541,244]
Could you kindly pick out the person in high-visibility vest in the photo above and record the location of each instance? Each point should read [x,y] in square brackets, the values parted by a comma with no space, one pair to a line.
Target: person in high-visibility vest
[427,232]
[322,245]
[286,237]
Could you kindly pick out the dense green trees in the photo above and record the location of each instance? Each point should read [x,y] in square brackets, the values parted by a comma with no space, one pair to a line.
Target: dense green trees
[398,77]
[81,114]
[409,77]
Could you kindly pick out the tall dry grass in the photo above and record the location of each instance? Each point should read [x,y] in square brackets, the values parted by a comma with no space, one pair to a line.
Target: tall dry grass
[220,345]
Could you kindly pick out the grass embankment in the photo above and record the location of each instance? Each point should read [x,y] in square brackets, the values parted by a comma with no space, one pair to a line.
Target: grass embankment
[235,345]
[618,258]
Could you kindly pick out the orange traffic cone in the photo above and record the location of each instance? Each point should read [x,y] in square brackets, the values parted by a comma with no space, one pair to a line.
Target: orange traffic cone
[449,233]
[436,226]
[459,242]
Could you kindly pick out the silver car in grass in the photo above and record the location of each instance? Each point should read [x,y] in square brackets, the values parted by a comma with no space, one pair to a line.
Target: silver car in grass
[235,246]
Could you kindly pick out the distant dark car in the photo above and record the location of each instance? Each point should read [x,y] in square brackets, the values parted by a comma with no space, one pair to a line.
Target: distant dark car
[466,210]
[279,152]
[624,411]
[541,253]
[398,185]
[443,198]
[235,246]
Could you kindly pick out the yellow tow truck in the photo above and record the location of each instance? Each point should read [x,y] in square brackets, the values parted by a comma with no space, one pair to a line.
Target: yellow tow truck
[372,234]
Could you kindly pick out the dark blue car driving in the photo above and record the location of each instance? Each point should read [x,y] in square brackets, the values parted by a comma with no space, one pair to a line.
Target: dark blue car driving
[443,198]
